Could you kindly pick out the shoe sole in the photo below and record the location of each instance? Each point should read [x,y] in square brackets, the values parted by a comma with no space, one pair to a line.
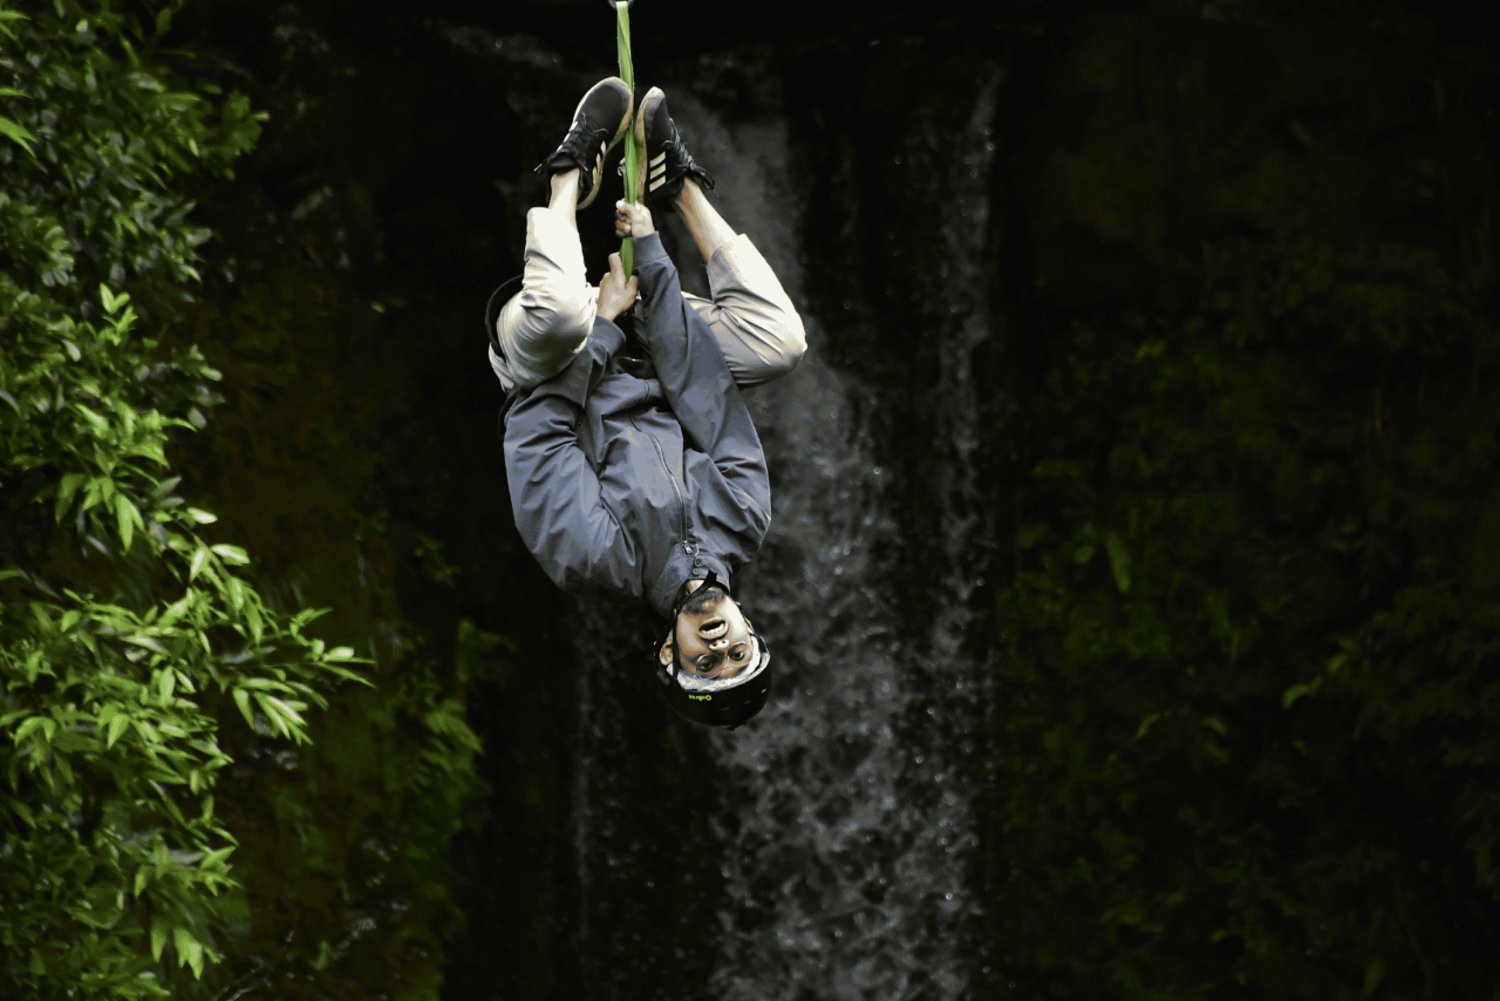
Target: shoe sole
[653,97]
[625,122]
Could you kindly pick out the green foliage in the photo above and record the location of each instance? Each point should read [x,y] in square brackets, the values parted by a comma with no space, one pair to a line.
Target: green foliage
[128,635]
[321,461]
[344,844]
[1252,640]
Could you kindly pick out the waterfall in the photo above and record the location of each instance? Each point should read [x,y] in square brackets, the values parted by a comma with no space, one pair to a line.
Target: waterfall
[840,856]
[830,849]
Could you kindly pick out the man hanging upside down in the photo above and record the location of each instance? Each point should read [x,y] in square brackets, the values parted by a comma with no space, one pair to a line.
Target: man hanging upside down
[633,464]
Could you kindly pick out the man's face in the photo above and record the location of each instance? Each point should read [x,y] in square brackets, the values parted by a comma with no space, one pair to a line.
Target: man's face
[713,636]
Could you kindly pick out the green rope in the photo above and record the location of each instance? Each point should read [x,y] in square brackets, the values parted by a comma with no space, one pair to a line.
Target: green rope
[632,148]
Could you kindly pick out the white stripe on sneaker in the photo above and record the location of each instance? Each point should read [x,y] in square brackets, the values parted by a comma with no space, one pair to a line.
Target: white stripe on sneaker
[657,174]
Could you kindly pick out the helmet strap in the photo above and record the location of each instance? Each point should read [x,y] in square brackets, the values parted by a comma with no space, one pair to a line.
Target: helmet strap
[683,594]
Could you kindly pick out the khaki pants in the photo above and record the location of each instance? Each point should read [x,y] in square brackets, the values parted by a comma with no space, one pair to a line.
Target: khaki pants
[544,325]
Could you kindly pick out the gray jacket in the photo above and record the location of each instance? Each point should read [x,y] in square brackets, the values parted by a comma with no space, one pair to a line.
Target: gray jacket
[639,473]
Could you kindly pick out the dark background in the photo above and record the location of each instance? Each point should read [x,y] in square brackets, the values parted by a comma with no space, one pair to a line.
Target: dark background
[1157,339]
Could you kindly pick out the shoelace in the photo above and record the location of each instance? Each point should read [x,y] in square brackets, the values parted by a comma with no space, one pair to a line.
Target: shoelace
[584,135]
[581,138]
[685,165]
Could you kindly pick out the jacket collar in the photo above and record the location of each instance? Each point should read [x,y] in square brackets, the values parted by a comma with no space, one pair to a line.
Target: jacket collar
[680,568]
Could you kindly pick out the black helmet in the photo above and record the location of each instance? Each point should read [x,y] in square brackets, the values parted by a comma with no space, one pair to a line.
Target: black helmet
[727,702]
[497,301]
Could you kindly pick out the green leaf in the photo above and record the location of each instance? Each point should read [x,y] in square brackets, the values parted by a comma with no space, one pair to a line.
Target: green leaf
[32,725]
[1147,722]
[5,29]
[242,699]
[269,705]
[255,620]
[189,950]
[158,938]
[117,727]
[233,555]
[23,811]
[200,556]
[195,959]
[1119,561]
[96,423]
[285,709]
[1374,973]
[66,488]
[13,131]
[112,303]
[1298,691]
[175,611]
[126,517]
[148,642]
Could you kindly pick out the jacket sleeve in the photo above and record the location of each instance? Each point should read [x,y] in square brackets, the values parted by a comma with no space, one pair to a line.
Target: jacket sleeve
[555,493]
[699,387]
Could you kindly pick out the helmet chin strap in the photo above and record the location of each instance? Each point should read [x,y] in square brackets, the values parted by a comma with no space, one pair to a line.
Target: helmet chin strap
[712,580]
[683,596]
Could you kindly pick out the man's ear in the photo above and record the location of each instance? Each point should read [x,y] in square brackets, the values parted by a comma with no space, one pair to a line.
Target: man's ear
[664,653]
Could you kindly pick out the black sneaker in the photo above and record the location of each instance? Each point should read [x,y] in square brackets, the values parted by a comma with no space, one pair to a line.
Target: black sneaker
[599,122]
[667,159]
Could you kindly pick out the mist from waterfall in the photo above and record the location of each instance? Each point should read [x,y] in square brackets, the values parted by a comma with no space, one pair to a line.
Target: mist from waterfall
[830,849]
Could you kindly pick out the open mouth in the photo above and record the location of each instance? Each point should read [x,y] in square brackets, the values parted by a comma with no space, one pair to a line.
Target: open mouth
[713,629]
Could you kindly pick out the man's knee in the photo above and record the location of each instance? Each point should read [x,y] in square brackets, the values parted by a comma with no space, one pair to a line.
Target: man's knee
[547,324]
[766,350]
[791,340]
[565,315]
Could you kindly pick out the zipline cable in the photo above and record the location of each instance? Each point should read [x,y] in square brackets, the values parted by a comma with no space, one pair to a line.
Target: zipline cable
[632,164]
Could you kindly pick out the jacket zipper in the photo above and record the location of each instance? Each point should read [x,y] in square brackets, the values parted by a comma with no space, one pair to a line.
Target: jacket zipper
[682,521]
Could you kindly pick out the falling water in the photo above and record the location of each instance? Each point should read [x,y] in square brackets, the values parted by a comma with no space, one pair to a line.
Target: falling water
[840,850]
[830,849]
[855,833]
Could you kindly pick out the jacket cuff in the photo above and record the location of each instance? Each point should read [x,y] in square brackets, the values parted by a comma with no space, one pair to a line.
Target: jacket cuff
[648,249]
[606,337]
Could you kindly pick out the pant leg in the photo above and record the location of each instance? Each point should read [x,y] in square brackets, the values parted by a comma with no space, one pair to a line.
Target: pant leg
[753,319]
[544,325]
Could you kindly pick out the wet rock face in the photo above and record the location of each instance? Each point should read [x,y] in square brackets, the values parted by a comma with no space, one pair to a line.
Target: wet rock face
[939,194]
[829,850]
[833,844]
